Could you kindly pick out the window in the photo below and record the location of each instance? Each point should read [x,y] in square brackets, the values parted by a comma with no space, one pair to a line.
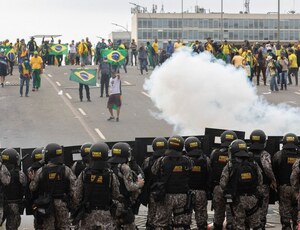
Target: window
[154,23]
[230,35]
[144,24]
[140,23]
[230,23]
[256,35]
[246,24]
[251,23]
[205,23]
[170,23]
[200,23]
[241,34]
[225,24]
[195,23]
[236,23]
[144,35]
[216,24]
[140,34]
[210,23]
[159,23]
[175,23]
[255,24]
[241,23]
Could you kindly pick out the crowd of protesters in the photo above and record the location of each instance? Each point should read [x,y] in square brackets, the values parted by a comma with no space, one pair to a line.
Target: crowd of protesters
[279,62]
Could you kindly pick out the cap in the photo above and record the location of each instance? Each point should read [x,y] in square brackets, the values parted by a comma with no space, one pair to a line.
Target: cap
[35,52]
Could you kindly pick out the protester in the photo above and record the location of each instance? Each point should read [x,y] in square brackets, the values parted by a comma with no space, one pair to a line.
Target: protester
[114,100]
[273,73]
[237,60]
[36,63]
[142,54]
[133,47]
[87,88]
[4,67]
[283,62]
[105,70]
[293,67]
[25,76]
[72,53]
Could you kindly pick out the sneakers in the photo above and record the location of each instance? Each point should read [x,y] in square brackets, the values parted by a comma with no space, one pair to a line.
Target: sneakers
[89,100]
[33,89]
[111,118]
[117,120]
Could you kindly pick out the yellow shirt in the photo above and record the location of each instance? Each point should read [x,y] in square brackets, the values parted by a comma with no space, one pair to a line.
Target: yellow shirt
[293,61]
[155,46]
[237,61]
[82,48]
[36,62]
[177,45]
[226,49]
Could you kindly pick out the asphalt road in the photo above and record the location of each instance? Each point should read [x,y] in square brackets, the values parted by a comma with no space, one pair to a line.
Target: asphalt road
[55,114]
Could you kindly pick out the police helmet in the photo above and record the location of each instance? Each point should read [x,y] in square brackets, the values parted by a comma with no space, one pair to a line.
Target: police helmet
[176,143]
[290,141]
[85,149]
[37,154]
[99,152]
[159,143]
[10,157]
[192,143]
[238,148]
[121,152]
[227,137]
[53,153]
[258,140]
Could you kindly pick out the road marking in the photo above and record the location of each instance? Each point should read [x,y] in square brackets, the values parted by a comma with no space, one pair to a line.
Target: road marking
[146,94]
[297,93]
[81,120]
[82,111]
[69,96]
[100,134]
[49,75]
[57,83]
[267,93]
[127,83]
[292,102]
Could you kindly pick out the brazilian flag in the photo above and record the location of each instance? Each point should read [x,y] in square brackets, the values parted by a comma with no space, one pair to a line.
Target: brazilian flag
[84,76]
[5,48]
[58,49]
[115,56]
[11,54]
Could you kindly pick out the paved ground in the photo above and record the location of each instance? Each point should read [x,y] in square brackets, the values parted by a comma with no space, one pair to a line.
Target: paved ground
[55,114]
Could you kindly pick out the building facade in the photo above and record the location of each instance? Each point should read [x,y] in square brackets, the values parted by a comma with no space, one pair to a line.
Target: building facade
[199,26]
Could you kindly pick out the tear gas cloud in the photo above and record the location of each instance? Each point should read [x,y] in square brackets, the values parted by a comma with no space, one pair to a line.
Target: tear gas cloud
[193,92]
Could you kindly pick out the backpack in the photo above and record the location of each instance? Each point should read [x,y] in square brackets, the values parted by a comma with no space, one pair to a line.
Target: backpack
[277,66]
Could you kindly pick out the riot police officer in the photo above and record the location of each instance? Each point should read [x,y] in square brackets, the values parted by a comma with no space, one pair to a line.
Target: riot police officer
[55,183]
[218,159]
[96,187]
[14,191]
[159,146]
[263,159]
[199,179]
[175,171]
[80,165]
[240,180]
[37,157]
[283,162]
[121,153]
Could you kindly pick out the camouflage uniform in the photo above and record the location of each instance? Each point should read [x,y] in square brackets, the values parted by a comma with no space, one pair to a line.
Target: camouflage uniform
[12,208]
[243,202]
[97,218]
[132,188]
[282,163]
[171,211]
[5,180]
[60,218]
[295,178]
[150,179]
[199,183]
[264,161]
[218,159]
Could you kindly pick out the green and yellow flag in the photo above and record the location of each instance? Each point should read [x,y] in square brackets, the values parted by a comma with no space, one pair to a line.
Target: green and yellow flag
[115,56]
[84,76]
[58,49]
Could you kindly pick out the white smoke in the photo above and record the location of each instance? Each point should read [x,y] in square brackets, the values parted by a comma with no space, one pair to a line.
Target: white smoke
[193,92]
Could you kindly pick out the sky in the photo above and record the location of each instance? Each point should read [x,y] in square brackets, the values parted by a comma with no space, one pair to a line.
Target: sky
[77,19]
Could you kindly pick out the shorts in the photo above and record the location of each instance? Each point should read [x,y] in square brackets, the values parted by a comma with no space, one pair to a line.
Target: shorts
[3,72]
[114,100]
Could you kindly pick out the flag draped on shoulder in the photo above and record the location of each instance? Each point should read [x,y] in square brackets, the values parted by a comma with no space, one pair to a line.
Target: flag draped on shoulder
[11,55]
[114,56]
[58,49]
[84,76]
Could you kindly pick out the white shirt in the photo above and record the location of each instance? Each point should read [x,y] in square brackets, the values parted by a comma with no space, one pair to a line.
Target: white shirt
[72,49]
[115,85]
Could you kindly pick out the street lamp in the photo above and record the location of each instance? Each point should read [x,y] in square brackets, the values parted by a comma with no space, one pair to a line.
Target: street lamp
[278,23]
[182,20]
[222,22]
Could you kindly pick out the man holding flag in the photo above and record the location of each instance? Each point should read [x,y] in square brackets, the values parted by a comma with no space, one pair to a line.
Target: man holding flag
[84,77]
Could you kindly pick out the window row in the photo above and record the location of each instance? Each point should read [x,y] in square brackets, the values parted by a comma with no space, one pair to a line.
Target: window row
[216,23]
[216,34]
